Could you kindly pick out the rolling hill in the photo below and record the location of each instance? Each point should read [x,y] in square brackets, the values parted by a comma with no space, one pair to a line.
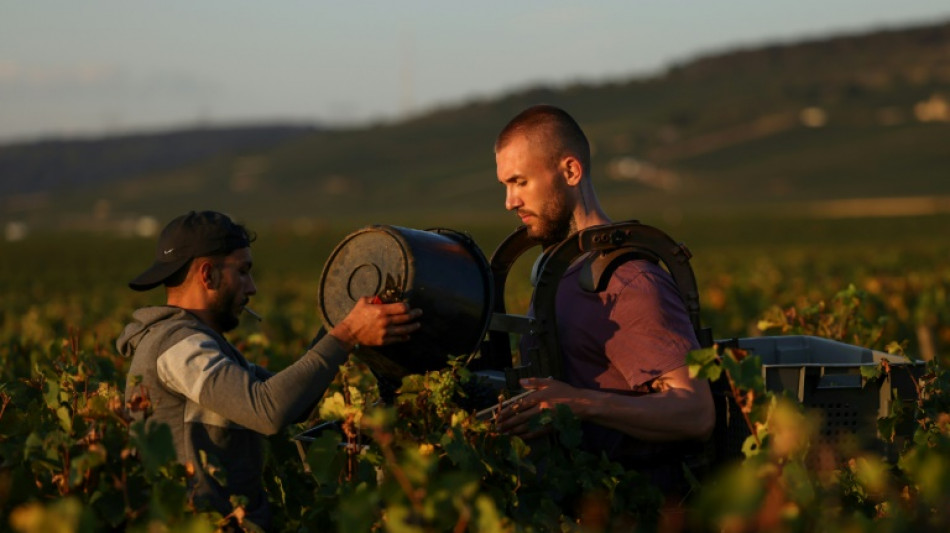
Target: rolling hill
[842,126]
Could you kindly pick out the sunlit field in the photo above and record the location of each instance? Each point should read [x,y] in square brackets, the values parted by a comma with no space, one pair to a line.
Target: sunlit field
[67,449]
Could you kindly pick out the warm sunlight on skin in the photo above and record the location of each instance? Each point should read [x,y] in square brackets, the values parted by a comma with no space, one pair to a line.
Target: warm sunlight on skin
[548,198]
[522,168]
[639,416]
[215,288]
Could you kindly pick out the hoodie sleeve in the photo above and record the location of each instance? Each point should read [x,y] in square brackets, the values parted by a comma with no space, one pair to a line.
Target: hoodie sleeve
[197,368]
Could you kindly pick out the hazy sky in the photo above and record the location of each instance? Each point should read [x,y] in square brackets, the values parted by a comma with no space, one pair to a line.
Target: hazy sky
[94,66]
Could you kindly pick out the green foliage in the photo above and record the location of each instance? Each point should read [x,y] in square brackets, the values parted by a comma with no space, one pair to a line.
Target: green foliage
[852,316]
[74,461]
[786,483]
[423,464]
[71,459]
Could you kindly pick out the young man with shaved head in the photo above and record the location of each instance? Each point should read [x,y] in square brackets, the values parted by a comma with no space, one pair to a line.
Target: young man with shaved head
[217,404]
[624,348]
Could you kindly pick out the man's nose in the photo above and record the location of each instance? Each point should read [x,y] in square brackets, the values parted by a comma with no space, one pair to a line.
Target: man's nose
[251,287]
[512,201]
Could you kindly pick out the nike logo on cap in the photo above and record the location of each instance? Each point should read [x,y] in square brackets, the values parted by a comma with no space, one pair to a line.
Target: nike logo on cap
[168,251]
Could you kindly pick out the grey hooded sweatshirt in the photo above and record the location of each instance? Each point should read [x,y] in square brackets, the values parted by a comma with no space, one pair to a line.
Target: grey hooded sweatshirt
[216,402]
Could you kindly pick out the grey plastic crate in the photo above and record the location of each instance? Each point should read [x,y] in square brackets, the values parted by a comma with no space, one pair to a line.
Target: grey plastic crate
[824,374]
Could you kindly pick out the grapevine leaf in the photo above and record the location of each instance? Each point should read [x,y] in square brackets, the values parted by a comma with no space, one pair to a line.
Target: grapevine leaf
[569,430]
[488,518]
[65,418]
[871,472]
[747,373]
[460,452]
[67,514]
[84,463]
[413,383]
[704,364]
[109,506]
[358,511]
[401,519]
[325,458]
[168,500]
[52,393]
[798,482]
[750,446]
[333,407]
[155,445]
[871,372]
[886,427]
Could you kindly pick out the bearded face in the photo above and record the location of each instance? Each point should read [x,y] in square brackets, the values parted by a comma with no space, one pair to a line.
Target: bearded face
[551,223]
[536,189]
[232,286]
[225,309]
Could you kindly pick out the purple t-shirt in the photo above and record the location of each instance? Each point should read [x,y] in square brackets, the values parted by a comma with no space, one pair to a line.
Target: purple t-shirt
[621,339]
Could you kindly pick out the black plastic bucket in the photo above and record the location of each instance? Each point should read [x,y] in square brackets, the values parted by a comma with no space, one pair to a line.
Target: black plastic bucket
[441,271]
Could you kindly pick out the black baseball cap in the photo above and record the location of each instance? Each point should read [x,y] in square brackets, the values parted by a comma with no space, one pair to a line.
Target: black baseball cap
[194,234]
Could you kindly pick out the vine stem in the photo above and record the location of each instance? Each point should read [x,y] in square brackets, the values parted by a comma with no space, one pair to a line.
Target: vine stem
[352,444]
[384,440]
[464,518]
[6,400]
[737,398]
[64,486]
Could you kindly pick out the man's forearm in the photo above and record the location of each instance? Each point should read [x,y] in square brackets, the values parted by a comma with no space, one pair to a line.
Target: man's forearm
[682,409]
[673,414]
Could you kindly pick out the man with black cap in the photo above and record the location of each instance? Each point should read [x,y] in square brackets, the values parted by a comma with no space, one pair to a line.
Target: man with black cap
[217,404]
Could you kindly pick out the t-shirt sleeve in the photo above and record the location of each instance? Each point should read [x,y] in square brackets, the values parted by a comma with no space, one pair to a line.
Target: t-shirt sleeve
[655,333]
[185,366]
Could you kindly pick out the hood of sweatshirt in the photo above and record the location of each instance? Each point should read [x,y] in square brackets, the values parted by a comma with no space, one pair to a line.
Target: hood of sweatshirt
[142,322]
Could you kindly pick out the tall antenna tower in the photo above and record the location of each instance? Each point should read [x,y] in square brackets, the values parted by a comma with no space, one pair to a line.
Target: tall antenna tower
[407,101]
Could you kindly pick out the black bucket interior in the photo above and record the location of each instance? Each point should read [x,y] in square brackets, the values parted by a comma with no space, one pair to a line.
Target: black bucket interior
[439,271]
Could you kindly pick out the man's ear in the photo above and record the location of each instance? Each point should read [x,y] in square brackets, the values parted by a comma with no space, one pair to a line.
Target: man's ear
[572,170]
[208,274]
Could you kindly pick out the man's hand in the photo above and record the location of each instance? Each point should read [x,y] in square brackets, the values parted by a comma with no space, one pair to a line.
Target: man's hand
[372,324]
[515,418]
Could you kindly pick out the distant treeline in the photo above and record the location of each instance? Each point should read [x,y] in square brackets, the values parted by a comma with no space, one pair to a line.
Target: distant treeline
[66,163]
